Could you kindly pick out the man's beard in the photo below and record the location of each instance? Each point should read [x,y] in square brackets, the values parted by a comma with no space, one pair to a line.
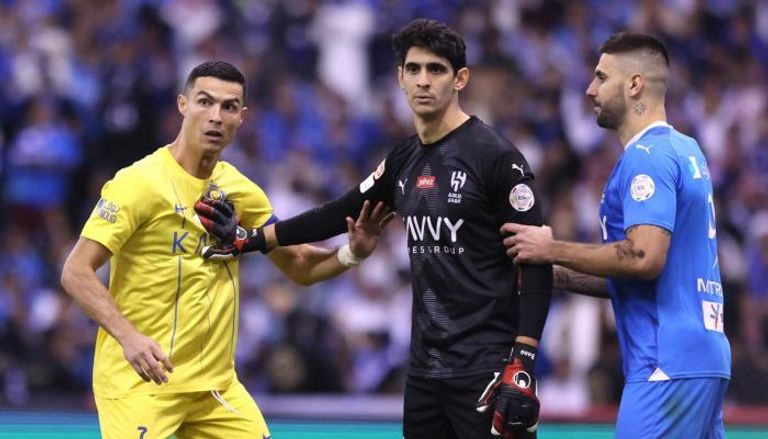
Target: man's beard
[612,113]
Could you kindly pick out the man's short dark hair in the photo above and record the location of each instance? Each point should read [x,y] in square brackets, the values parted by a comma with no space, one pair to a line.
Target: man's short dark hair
[625,42]
[434,36]
[217,69]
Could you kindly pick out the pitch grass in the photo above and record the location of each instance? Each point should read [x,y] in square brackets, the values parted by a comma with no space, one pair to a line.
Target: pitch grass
[62,425]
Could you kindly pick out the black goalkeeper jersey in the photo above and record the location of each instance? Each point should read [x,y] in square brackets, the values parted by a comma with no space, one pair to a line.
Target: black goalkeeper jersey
[453,196]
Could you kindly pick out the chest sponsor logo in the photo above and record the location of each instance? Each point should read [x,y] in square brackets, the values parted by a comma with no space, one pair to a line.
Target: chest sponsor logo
[107,210]
[425,182]
[183,242]
[713,315]
[426,228]
[708,286]
[642,187]
[521,197]
[458,180]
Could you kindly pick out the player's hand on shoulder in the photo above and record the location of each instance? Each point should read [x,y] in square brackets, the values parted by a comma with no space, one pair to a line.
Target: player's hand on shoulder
[146,357]
[512,395]
[365,231]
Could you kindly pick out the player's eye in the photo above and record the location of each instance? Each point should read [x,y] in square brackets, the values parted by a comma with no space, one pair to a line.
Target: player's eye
[412,68]
[204,102]
[437,68]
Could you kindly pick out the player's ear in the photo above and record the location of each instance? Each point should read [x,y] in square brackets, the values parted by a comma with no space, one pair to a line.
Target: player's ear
[636,84]
[242,114]
[400,77]
[461,79]
[181,104]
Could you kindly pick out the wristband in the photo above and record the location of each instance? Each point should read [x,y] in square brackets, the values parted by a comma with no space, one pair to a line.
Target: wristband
[526,353]
[346,257]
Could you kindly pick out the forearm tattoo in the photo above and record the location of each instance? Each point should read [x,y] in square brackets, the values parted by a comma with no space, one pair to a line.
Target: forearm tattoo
[626,250]
[570,280]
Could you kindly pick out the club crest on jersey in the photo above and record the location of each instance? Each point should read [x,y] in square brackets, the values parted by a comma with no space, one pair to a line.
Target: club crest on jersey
[425,182]
[522,379]
[458,179]
[214,192]
[521,197]
[642,187]
[107,210]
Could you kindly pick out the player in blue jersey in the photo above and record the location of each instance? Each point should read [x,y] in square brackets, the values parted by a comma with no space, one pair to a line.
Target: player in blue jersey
[658,261]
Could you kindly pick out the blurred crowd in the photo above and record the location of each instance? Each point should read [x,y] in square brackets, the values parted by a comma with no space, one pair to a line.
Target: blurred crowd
[87,87]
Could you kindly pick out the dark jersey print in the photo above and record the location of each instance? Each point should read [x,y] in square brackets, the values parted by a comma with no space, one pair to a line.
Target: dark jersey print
[453,196]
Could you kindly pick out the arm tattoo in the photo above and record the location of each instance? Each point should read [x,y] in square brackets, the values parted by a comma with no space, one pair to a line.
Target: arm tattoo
[626,250]
[580,283]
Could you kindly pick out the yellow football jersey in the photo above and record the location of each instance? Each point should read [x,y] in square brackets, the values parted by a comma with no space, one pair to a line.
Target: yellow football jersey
[158,279]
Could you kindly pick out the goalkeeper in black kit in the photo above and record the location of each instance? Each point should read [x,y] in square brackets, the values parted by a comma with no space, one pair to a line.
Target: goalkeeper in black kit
[477,318]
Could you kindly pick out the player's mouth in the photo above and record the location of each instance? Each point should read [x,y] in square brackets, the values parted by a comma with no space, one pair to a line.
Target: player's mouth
[214,135]
[423,99]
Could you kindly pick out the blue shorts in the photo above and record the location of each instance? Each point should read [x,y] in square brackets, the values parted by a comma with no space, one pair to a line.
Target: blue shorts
[680,408]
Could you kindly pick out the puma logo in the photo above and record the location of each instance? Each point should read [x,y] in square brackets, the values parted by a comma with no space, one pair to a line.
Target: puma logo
[519,168]
[644,148]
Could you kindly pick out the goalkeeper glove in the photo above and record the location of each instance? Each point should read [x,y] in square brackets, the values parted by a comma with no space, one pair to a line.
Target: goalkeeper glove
[219,219]
[513,395]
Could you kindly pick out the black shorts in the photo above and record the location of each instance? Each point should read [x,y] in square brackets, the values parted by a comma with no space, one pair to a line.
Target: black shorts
[445,408]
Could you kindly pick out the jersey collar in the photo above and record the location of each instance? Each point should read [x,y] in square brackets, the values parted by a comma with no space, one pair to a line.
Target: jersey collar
[636,137]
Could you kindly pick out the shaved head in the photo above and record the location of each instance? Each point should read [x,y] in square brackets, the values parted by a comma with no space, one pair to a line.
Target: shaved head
[640,54]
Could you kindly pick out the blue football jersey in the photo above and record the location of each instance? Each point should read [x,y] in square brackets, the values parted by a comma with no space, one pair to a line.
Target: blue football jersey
[671,327]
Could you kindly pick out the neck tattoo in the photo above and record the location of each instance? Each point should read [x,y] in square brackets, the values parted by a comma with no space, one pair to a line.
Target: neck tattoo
[639,108]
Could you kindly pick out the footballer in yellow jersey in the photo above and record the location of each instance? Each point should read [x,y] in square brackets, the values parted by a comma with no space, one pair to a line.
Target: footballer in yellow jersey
[164,362]
[145,217]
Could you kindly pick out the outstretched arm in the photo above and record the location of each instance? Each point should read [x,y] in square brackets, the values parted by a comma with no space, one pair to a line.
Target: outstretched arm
[80,281]
[220,220]
[306,264]
[642,255]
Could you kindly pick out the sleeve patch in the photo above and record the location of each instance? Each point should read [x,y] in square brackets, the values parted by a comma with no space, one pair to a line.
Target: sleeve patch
[107,210]
[521,198]
[379,170]
[642,187]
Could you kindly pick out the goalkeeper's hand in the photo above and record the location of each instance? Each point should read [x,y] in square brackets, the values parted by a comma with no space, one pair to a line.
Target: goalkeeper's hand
[513,395]
[219,219]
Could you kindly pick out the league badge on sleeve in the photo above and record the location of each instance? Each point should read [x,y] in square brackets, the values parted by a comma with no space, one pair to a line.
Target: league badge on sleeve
[375,175]
[642,187]
[521,198]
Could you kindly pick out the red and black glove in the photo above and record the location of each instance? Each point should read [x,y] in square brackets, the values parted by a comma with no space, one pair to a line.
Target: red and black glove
[512,394]
[220,221]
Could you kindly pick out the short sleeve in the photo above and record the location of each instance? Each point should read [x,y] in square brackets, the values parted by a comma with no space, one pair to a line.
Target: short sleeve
[120,211]
[649,187]
[255,209]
